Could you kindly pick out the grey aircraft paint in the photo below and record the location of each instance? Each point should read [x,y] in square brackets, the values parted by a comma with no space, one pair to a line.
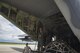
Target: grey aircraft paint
[44,8]
[40,8]
[74,7]
[67,7]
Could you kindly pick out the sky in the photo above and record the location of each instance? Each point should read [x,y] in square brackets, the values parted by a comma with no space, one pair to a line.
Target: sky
[8,31]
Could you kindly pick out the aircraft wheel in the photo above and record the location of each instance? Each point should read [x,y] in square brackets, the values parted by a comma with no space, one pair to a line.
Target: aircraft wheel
[58,47]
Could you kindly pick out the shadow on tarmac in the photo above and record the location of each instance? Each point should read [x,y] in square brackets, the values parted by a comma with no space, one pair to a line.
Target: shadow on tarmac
[21,50]
[17,49]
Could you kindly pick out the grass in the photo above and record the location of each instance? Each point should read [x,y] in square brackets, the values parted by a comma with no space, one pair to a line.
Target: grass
[7,43]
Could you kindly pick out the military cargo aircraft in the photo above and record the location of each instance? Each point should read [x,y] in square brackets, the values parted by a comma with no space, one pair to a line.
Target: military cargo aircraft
[44,19]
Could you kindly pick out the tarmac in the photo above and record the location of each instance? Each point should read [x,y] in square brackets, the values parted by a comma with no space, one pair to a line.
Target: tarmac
[11,48]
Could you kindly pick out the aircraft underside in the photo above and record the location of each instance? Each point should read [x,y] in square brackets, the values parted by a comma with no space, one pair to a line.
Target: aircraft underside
[42,25]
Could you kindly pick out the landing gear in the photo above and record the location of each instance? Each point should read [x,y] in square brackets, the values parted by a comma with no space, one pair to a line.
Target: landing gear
[58,47]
